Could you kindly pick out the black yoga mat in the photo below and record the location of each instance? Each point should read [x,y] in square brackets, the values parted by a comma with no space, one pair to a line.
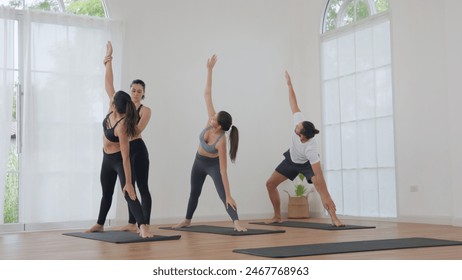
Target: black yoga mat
[312,225]
[120,236]
[345,247]
[223,230]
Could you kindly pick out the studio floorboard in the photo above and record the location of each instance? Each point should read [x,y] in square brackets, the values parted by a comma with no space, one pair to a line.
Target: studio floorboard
[53,245]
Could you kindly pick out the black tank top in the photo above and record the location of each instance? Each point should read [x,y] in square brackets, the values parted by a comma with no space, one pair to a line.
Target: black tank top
[108,130]
[139,116]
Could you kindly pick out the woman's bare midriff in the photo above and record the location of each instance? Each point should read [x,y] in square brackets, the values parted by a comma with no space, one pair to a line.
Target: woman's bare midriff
[110,147]
[202,152]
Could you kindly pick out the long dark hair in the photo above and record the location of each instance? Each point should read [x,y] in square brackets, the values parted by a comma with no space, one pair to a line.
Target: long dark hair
[124,105]
[225,120]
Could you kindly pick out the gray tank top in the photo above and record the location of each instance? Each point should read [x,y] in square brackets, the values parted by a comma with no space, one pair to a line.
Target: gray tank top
[207,147]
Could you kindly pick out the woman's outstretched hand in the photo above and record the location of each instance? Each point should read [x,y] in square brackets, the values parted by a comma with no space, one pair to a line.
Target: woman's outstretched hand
[108,49]
[230,201]
[108,56]
[289,81]
[107,59]
[211,62]
[130,190]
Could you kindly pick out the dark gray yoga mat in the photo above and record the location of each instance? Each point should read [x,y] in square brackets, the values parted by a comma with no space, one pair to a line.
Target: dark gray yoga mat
[120,236]
[297,224]
[223,230]
[345,247]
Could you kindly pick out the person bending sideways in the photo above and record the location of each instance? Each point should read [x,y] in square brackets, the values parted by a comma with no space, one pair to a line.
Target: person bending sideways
[302,157]
[211,157]
[139,155]
[119,126]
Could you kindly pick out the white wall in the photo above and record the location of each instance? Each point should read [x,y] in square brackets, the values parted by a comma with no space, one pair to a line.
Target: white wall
[167,44]
[454,84]
[423,119]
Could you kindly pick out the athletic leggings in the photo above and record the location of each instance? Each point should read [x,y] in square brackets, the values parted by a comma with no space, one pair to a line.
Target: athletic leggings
[111,168]
[202,167]
[139,158]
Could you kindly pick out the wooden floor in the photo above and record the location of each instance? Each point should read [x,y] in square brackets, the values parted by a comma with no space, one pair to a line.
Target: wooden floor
[52,245]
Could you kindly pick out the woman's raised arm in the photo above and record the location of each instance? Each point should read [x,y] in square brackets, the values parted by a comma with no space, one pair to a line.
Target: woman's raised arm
[208,86]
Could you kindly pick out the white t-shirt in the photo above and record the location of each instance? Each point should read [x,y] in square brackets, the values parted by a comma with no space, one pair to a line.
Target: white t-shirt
[302,152]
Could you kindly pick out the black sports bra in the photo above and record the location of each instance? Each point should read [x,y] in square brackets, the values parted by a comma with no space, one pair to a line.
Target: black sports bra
[109,131]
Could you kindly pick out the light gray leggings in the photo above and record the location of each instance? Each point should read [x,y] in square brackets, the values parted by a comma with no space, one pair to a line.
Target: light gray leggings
[202,167]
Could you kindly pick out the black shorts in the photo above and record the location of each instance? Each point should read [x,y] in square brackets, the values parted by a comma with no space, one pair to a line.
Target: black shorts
[290,169]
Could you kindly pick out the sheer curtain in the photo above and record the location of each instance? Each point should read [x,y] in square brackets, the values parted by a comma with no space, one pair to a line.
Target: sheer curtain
[7,35]
[65,103]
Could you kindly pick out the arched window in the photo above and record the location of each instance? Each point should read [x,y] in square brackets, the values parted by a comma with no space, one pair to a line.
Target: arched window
[76,7]
[358,107]
[340,13]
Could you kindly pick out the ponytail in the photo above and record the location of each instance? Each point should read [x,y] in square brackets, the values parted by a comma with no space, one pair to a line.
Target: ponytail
[226,121]
[131,119]
[233,142]
[124,105]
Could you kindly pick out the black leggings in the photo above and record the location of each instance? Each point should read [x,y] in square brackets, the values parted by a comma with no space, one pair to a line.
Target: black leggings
[139,158]
[202,167]
[111,168]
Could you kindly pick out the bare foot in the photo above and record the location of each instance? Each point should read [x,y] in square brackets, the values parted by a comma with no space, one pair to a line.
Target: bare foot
[95,228]
[238,227]
[145,232]
[129,227]
[274,220]
[184,223]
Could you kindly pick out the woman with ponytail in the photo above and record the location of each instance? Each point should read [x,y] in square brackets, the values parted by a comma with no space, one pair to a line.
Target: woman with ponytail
[119,127]
[211,158]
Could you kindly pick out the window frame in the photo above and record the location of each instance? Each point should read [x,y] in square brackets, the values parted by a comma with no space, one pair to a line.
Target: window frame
[62,7]
[334,34]
[372,13]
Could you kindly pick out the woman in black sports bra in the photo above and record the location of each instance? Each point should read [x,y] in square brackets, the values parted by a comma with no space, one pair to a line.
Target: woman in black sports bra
[139,155]
[119,127]
[211,157]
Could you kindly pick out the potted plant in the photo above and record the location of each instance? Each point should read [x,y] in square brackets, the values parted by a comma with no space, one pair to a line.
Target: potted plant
[298,204]
[300,189]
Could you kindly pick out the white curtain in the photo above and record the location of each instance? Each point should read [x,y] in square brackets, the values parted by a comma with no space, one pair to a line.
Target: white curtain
[65,103]
[7,39]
